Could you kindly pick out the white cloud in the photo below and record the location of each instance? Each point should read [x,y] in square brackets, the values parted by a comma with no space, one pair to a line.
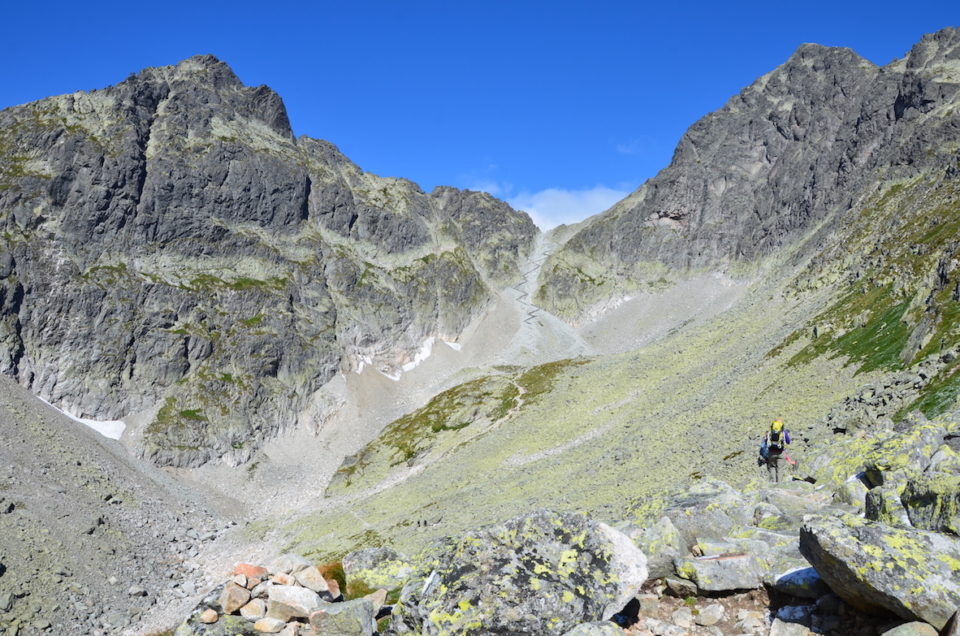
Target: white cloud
[631,147]
[555,206]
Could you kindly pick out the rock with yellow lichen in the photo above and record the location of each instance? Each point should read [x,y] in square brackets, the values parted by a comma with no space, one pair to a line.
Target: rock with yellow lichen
[933,502]
[374,568]
[872,566]
[541,572]
[709,509]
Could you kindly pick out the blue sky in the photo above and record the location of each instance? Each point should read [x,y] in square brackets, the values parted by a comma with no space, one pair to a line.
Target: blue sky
[559,107]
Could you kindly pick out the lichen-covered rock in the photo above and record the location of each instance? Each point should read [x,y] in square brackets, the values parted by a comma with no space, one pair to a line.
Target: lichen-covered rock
[722,573]
[912,573]
[373,568]
[933,502]
[545,571]
[883,504]
[662,543]
[350,618]
[708,509]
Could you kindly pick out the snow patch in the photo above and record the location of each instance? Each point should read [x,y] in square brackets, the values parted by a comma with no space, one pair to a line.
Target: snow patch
[111,429]
[422,355]
[456,346]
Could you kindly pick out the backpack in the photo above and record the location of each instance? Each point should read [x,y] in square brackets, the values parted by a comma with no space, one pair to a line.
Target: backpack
[775,443]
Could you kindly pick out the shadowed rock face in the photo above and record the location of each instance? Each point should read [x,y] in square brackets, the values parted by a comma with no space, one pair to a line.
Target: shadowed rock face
[799,146]
[169,246]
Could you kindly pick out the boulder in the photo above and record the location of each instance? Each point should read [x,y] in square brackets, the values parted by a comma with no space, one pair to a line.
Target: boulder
[710,508]
[852,492]
[292,601]
[312,579]
[796,578]
[912,573]
[722,573]
[933,502]
[372,568]
[661,543]
[233,597]
[544,571]
[597,628]
[883,504]
[350,618]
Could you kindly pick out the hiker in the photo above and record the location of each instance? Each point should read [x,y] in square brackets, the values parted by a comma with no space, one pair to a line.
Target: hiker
[773,449]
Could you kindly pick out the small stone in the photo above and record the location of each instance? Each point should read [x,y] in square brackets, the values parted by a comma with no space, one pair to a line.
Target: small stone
[284,579]
[915,628]
[113,580]
[710,615]
[252,583]
[254,610]
[292,629]
[682,617]
[233,597]
[269,625]
[209,616]
[784,628]
[136,590]
[6,601]
[239,579]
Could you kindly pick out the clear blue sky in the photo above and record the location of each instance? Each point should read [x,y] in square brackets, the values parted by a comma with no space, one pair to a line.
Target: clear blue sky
[559,107]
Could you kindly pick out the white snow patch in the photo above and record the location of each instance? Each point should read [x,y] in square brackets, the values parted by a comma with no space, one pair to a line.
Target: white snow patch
[422,355]
[390,376]
[112,429]
[456,346]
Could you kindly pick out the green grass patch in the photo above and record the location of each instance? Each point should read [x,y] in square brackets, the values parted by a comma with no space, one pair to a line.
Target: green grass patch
[539,380]
[938,397]
[876,344]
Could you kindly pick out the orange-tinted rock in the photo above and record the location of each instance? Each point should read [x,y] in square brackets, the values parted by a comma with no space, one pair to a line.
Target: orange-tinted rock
[250,571]
[284,579]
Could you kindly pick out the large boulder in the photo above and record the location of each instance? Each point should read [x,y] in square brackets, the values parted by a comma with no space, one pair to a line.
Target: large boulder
[661,543]
[351,618]
[933,502]
[912,573]
[722,573]
[374,568]
[883,504]
[541,571]
[711,509]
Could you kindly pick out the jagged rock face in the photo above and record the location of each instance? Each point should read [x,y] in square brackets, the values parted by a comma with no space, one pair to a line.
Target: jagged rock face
[800,145]
[169,243]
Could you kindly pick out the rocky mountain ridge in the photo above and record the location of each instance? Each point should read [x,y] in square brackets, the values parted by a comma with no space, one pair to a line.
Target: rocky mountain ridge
[795,151]
[171,249]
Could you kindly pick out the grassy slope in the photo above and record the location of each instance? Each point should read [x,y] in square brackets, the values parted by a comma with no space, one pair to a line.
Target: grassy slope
[613,435]
[605,436]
